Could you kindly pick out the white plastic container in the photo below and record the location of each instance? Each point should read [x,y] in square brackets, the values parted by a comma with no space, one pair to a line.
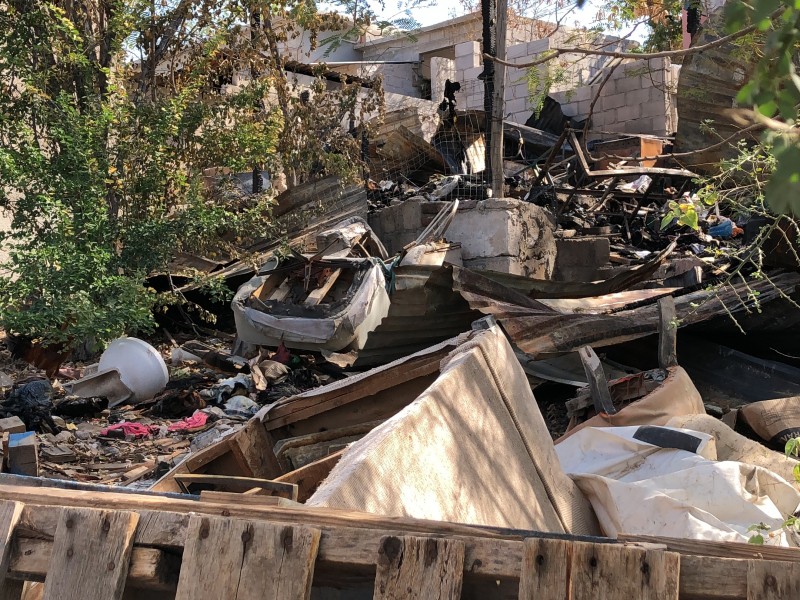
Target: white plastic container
[140,366]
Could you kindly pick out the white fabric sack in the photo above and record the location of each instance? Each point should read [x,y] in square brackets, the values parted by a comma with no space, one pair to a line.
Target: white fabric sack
[638,487]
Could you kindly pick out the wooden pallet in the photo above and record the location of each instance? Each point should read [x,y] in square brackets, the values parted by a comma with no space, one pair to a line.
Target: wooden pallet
[131,546]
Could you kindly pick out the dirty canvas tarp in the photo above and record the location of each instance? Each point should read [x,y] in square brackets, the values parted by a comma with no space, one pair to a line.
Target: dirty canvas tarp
[675,396]
[652,488]
[473,448]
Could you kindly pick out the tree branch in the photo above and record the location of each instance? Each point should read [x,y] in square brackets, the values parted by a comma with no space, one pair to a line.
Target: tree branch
[556,52]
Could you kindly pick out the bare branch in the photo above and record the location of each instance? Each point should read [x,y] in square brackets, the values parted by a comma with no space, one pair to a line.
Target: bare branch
[556,52]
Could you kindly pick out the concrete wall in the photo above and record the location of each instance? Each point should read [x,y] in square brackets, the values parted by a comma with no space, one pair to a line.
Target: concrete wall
[503,235]
[640,97]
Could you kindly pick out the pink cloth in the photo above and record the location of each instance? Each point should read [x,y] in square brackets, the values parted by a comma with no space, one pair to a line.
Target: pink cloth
[196,421]
[136,430]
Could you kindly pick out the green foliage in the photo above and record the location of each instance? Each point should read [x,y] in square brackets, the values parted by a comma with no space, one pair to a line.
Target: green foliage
[541,80]
[663,21]
[758,537]
[773,90]
[102,159]
[685,212]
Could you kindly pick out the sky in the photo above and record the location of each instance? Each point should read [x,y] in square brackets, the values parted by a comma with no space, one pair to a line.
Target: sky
[438,11]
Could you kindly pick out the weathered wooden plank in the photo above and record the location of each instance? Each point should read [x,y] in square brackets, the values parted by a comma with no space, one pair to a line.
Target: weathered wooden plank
[714,548]
[150,568]
[713,578]
[308,477]
[667,333]
[252,449]
[316,296]
[90,556]
[10,513]
[598,385]
[772,580]
[239,484]
[11,589]
[419,568]
[310,404]
[616,572]
[253,560]
[544,574]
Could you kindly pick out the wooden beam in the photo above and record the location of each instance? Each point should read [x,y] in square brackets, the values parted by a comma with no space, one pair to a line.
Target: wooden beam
[617,572]
[667,333]
[498,103]
[544,574]
[149,568]
[308,477]
[765,582]
[598,386]
[10,514]
[720,549]
[316,296]
[238,484]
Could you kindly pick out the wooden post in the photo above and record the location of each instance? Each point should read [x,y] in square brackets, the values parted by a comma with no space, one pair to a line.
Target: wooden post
[667,333]
[498,102]
[598,386]
[489,16]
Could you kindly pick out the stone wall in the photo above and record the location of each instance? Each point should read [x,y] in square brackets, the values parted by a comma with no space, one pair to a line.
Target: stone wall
[503,235]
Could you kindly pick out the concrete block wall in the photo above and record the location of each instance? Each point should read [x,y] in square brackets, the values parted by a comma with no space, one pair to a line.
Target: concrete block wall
[638,98]
[503,235]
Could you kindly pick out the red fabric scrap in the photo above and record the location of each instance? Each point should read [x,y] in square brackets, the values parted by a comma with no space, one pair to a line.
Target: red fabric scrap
[194,423]
[136,430]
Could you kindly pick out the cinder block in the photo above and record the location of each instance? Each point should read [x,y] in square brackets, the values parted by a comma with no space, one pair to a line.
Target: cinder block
[538,46]
[467,49]
[585,92]
[637,97]
[12,425]
[464,63]
[518,51]
[472,74]
[517,105]
[627,113]
[654,108]
[638,125]
[613,101]
[625,83]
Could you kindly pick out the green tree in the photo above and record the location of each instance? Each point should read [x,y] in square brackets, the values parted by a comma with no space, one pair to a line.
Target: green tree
[110,113]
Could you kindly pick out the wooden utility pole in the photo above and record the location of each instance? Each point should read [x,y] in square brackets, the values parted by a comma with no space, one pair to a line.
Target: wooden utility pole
[498,102]
[494,14]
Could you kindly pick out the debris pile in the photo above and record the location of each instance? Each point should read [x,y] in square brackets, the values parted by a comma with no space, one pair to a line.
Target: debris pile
[425,348]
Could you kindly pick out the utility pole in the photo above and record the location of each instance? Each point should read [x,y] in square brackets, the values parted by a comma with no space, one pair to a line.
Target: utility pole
[489,15]
[494,13]
[255,26]
[498,102]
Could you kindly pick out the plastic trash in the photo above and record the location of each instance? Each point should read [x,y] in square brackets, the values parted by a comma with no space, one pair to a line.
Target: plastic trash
[33,403]
[141,367]
[241,406]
